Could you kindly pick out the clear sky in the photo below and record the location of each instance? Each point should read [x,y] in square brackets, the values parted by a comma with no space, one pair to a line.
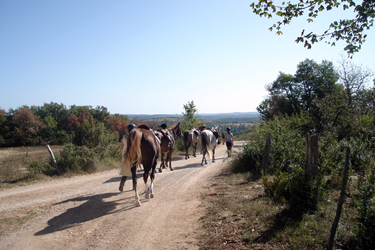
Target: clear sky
[151,57]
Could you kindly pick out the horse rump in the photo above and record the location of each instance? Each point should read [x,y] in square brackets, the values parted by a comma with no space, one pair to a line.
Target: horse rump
[133,154]
[205,142]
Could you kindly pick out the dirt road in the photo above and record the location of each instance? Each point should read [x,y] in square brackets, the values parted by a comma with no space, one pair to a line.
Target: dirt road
[88,212]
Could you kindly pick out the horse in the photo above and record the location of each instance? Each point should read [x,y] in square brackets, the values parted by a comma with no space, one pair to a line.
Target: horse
[208,140]
[142,148]
[216,129]
[167,142]
[191,138]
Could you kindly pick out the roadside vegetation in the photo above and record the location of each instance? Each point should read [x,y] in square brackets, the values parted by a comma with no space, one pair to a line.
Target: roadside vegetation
[274,207]
[254,203]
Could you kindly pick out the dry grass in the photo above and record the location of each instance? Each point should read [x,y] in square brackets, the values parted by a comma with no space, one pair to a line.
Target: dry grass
[13,162]
[239,216]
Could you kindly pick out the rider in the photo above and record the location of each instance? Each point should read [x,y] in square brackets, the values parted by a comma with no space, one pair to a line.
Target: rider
[130,127]
[167,135]
[229,139]
[123,141]
[201,128]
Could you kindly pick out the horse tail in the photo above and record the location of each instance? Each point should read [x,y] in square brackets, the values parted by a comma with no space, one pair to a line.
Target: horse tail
[205,141]
[133,154]
[186,138]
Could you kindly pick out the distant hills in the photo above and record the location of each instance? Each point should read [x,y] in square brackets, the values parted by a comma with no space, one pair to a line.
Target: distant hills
[235,116]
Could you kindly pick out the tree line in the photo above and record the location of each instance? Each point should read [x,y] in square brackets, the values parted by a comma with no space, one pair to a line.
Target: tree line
[54,123]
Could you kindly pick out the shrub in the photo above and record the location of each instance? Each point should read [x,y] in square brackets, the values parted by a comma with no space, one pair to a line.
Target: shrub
[365,203]
[40,166]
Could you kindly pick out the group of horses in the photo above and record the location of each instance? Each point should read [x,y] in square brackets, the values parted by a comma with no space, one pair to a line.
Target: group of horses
[144,146]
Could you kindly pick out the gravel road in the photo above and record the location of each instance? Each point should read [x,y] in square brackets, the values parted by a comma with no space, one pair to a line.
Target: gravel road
[88,212]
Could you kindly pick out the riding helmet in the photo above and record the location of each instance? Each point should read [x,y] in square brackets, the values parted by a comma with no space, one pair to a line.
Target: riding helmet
[131,126]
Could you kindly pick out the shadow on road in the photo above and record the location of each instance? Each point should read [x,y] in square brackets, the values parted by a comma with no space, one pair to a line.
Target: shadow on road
[93,208]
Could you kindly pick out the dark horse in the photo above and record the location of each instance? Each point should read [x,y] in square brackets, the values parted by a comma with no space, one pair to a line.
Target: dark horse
[191,138]
[167,142]
[142,148]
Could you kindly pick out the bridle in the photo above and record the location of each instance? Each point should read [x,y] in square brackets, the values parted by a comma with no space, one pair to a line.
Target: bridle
[177,131]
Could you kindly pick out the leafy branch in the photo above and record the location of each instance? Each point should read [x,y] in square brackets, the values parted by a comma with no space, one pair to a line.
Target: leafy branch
[351,31]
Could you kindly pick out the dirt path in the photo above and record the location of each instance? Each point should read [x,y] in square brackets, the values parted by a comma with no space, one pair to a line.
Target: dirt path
[88,212]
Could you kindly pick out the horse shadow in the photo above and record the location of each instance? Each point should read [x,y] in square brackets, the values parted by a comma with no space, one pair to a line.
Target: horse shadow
[76,215]
[118,179]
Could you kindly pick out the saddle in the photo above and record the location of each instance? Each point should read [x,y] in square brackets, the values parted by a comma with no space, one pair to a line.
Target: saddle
[156,134]
[167,134]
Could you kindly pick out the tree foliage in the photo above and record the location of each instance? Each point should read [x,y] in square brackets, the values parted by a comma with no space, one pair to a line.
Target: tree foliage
[351,31]
[289,94]
[190,116]
[54,123]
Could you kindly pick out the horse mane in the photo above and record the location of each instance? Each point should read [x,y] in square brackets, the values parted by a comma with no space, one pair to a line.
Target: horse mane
[173,126]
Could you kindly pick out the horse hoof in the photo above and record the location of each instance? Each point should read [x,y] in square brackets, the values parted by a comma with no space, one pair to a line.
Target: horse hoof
[152,196]
[171,169]
[137,204]
[160,170]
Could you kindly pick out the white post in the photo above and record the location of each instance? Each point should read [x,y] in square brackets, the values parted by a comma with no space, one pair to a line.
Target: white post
[52,156]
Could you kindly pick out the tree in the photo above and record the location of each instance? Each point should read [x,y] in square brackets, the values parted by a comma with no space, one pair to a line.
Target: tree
[353,78]
[27,126]
[290,94]
[352,31]
[115,125]
[190,118]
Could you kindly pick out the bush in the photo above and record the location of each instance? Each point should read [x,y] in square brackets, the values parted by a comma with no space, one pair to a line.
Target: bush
[40,166]
[365,203]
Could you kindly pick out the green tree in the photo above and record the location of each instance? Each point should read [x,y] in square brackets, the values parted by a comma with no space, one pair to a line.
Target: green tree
[290,94]
[352,31]
[190,118]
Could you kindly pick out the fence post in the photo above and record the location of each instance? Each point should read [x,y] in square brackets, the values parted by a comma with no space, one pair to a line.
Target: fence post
[341,200]
[266,154]
[311,167]
[52,156]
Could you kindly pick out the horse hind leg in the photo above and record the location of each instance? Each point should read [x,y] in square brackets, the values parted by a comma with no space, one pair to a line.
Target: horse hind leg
[204,161]
[152,177]
[134,175]
[147,191]
[162,163]
[169,158]
[187,151]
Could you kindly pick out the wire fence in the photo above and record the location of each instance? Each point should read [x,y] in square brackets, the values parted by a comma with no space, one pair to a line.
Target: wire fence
[307,196]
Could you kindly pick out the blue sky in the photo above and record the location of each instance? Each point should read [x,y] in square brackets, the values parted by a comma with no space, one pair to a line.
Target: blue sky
[151,57]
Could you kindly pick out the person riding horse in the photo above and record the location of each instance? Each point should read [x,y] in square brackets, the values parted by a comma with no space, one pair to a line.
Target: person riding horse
[167,134]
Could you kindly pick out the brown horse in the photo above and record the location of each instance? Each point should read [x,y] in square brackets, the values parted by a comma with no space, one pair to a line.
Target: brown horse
[142,148]
[166,146]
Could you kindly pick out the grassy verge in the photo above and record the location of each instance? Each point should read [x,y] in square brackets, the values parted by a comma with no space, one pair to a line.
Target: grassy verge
[240,216]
